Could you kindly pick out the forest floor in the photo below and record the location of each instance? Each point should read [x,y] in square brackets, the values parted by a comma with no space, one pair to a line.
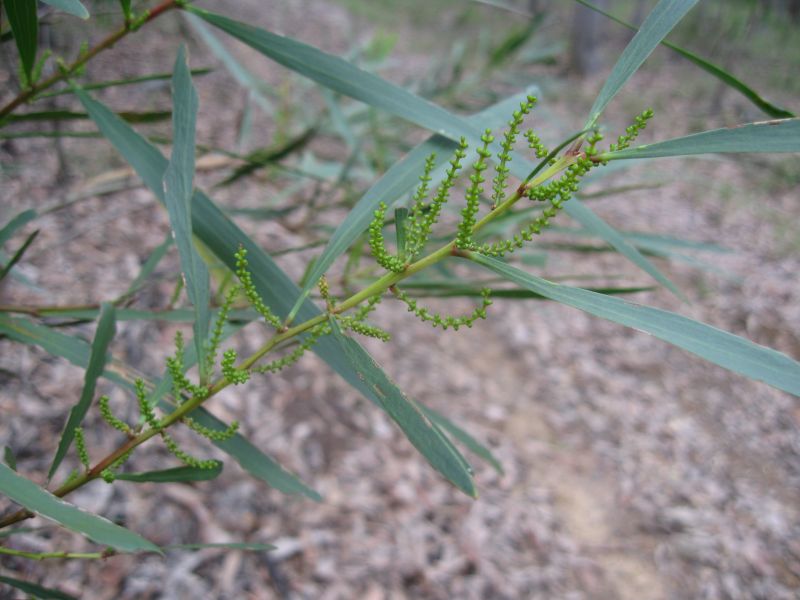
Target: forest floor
[633,470]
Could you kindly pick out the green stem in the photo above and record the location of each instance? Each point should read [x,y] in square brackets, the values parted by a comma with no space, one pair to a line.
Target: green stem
[45,555]
[70,69]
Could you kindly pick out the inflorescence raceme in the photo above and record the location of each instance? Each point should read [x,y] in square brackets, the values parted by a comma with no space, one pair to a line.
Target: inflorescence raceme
[552,193]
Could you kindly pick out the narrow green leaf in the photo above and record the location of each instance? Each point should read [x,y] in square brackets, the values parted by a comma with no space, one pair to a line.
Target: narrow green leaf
[100,530]
[655,28]
[9,458]
[175,475]
[242,76]
[101,85]
[265,156]
[149,266]
[652,240]
[178,315]
[253,460]
[145,158]
[106,329]
[463,437]
[24,25]
[18,221]
[35,590]
[8,532]
[228,546]
[593,223]
[419,429]
[54,342]
[178,198]
[342,76]
[155,116]
[515,40]
[126,9]
[18,255]
[72,7]
[441,290]
[77,352]
[724,76]
[720,347]
[781,135]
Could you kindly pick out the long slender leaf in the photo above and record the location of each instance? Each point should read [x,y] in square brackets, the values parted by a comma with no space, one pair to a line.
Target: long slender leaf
[77,352]
[72,7]
[25,26]
[36,590]
[175,475]
[70,115]
[178,197]
[31,496]
[223,238]
[100,85]
[18,255]
[463,437]
[438,290]
[781,135]
[728,79]
[149,266]
[9,458]
[227,546]
[596,225]
[125,5]
[419,429]
[655,28]
[178,315]
[18,221]
[242,76]
[720,347]
[106,329]
[342,76]
[253,460]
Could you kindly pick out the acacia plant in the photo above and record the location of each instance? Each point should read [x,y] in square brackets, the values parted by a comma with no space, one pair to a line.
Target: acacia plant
[500,179]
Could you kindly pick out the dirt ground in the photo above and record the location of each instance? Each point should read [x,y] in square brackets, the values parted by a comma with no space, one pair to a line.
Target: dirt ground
[632,469]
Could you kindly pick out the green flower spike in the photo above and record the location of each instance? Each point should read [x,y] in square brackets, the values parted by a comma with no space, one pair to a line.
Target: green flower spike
[438,320]
[305,344]
[378,244]
[473,196]
[219,325]
[185,457]
[147,412]
[80,445]
[230,372]
[246,279]
[108,417]
[632,131]
[365,329]
[535,144]
[212,434]
[426,216]
[325,293]
[108,474]
[502,169]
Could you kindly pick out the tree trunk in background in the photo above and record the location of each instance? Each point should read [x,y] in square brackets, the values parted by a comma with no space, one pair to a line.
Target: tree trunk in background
[791,8]
[585,36]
